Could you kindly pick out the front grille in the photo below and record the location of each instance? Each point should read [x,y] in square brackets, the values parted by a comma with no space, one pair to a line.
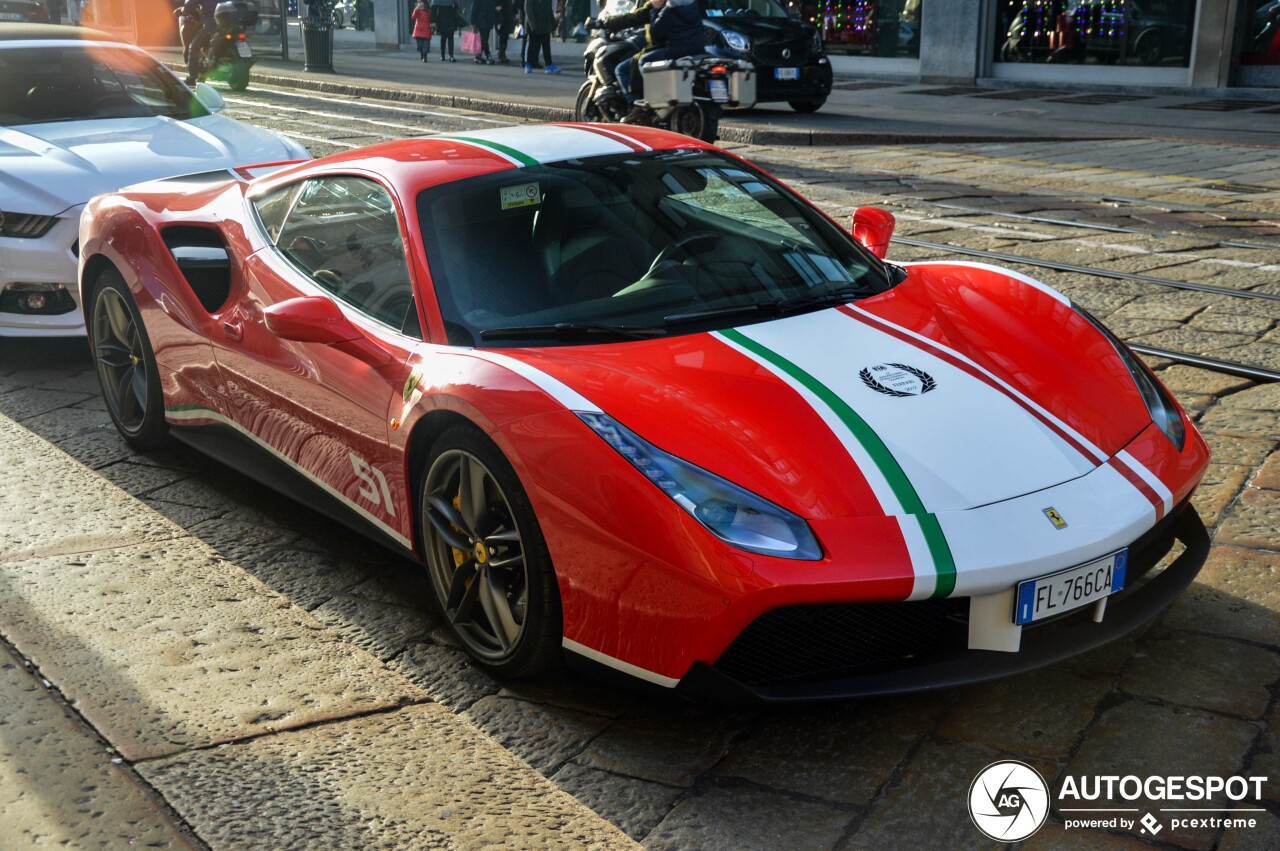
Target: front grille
[770,53]
[25,225]
[826,641]
[829,641]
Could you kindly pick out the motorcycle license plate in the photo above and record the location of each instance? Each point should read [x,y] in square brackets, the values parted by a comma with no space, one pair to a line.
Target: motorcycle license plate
[786,73]
[719,90]
[242,47]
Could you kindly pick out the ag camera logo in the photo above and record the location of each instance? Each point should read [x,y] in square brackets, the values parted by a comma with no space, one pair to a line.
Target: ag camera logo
[1008,801]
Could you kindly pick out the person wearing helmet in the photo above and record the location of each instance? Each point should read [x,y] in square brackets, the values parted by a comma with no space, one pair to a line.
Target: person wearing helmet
[203,9]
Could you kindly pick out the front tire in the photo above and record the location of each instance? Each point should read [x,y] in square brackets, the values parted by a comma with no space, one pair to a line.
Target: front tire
[126,365]
[807,106]
[486,558]
[584,108]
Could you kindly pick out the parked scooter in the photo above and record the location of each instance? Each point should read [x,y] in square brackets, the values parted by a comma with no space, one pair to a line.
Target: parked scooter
[228,56]
[686,95]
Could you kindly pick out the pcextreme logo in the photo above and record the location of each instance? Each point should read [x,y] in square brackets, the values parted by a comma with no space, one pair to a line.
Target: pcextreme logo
[1009,801]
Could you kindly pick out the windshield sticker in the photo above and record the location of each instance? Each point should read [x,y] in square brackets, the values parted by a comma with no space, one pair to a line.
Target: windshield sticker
[520,196]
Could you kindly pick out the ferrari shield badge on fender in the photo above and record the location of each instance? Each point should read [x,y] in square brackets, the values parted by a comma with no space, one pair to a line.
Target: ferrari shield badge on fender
[897,379]
[1055,518]
[411,383]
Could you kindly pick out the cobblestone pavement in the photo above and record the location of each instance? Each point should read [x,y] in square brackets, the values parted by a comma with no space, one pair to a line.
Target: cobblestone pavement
[1194,693]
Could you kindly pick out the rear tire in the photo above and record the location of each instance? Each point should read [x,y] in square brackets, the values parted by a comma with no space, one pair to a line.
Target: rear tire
[126,365]
[693,120]
[238,76]
[807,106]
[486,557]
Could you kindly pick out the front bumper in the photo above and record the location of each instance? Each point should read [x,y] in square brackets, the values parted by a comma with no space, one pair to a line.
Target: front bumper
[815,82]
[835,651]
[49,259]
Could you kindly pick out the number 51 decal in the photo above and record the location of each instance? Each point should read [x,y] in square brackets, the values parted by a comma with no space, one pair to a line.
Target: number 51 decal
[374,485]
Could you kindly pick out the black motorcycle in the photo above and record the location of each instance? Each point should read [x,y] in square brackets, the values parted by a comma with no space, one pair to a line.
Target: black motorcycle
[228,56]
[685,95]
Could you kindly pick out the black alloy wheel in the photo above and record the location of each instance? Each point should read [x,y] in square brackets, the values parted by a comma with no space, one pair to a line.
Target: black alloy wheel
[807,106]
[126,364]
[486,556]
[584,108]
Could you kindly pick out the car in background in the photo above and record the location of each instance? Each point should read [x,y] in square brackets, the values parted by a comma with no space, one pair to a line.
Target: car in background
[633,402]
[82,113]
[23,11]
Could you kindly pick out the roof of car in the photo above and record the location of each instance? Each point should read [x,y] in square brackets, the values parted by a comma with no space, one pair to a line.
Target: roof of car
[51,32]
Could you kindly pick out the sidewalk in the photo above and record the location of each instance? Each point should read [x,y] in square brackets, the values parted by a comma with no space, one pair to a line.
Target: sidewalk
[859,111]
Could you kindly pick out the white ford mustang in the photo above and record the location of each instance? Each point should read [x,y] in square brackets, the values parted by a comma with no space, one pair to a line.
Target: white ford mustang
[82,114]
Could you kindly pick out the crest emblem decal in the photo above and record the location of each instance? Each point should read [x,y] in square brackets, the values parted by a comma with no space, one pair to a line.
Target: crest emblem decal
[1058,521]
[897,379]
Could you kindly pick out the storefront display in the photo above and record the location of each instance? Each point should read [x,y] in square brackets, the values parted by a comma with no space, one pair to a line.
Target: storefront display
[883,28]
[1151,33]
[1262,38]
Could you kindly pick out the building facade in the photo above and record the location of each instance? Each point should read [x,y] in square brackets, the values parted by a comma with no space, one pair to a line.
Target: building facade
[1198,44]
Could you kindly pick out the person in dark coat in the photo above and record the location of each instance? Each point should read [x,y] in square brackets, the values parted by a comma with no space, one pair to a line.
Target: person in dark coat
[539,22]
[484,15]
[204,10]
[445,18]
[506,23]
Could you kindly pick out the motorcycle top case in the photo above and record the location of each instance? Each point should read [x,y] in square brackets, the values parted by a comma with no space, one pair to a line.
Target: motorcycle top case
[668,81]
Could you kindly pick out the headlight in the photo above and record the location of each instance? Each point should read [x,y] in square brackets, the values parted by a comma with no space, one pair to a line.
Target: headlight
[733,514]
[1164,413]
[736,41]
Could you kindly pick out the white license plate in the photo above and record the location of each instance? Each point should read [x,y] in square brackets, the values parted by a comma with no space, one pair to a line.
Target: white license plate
[719,90]
[786,73]
[242,47]
[1070,589]
[12,16]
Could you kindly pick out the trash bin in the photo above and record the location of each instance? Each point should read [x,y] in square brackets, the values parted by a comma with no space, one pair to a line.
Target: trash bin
[317,45]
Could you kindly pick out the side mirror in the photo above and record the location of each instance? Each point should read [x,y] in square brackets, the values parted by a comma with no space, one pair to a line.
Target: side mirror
[316,319]
[873,227]
[209,97]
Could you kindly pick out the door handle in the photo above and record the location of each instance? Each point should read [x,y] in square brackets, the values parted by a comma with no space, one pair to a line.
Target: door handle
[233,330]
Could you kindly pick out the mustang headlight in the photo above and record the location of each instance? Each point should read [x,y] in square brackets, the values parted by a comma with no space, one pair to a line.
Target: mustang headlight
[736,41]
[733,514]
[1164,413]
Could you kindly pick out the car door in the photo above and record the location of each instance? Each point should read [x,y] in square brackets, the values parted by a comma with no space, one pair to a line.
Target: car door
[323,408]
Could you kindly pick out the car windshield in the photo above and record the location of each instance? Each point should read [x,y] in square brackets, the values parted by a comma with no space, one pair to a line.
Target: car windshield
[630,246]
[69,83]
[744,9]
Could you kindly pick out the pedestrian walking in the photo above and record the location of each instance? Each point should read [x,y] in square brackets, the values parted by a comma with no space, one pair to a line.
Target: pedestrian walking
[422,29]
[484,15]
[445,17]
[539,22]
[506,23]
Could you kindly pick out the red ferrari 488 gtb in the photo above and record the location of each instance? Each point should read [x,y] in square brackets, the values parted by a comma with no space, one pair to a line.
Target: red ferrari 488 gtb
[633,401]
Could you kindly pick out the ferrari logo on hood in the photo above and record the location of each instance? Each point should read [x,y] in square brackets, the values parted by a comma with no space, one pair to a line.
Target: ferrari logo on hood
[1055,518]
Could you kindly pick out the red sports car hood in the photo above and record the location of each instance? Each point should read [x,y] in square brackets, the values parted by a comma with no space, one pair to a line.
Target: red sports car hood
[959,388]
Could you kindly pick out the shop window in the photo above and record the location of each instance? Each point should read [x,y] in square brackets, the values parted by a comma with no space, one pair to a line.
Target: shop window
[1152,33]
[885,28]
[1262,33]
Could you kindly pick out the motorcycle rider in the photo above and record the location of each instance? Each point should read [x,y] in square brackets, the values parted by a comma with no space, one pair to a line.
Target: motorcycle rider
[672,28]
[202,9]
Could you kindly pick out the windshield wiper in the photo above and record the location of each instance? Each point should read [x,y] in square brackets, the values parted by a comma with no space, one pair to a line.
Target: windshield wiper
[568,331]
[773,307]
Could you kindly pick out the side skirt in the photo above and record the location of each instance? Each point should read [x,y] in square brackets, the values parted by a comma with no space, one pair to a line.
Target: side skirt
[225,444]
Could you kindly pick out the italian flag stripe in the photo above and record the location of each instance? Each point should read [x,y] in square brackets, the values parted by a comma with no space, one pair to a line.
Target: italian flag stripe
[507,151]
[890,470]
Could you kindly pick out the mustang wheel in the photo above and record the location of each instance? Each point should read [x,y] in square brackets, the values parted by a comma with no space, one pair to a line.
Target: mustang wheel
[487,559]
[126,365]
